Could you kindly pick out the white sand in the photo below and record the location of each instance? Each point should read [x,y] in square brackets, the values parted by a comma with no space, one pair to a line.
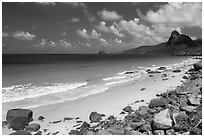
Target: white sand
[108,103]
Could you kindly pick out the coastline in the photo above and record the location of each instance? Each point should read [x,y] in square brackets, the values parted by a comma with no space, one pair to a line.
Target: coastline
[109,103]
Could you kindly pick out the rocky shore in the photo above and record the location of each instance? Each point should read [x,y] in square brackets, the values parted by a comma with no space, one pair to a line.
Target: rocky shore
[174,112]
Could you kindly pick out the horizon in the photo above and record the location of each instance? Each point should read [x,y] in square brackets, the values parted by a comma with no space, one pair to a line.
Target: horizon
[87,28]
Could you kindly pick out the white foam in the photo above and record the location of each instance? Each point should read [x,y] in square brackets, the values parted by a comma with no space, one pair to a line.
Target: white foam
[113,78]
[20,92]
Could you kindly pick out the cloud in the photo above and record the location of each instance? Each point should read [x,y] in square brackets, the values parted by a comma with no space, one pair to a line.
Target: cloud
[5,34]
[46,3]
[116,32]
[75,19]
[112,29]
[102,27]
[144,35]
[76,4]
[109,15]
[93,35]
[23,35]
[43,44]
[187,14]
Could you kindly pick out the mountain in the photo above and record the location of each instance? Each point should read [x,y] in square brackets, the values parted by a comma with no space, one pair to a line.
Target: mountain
[177,44]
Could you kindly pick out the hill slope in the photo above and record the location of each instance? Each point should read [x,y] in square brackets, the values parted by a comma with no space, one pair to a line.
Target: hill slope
[178,44]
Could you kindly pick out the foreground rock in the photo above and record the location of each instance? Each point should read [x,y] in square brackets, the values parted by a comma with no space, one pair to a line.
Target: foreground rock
[162,120]
[19,118]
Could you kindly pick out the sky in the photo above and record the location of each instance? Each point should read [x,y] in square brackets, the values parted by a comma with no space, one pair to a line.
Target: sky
[87,28]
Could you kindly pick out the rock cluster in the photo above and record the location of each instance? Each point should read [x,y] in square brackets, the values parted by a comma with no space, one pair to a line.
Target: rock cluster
[176,112]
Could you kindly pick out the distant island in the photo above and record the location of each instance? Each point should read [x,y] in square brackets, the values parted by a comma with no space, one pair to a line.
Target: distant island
[177,44]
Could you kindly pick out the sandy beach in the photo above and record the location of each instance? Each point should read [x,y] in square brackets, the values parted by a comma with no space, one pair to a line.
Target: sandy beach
[134,93]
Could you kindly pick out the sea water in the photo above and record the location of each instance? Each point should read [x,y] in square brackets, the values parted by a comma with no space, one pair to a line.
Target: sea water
[36,80]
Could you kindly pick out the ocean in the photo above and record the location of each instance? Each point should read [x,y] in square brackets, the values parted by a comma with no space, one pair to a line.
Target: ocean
[37,80]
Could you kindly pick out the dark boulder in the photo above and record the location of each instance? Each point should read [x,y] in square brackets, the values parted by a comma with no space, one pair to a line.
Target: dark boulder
[21,132]
[85,125]
[19,118]
[33,127]
[95,117]
[176,71]
[162,68]
[156,102]
[197,66]
[128,109]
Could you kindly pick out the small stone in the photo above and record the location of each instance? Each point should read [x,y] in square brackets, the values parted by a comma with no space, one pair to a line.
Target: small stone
[90,133]
[170,132]
[67,118]
[111,117]
[4,124]
[21,132]
[145,127]
[79,121]
[122,112]
[116,131]
[33,127]
[41,118]
[128,109]
[132,132]
[136,125]
[185,77]
[188,108]
[162,68]
[38,133]
[159,132]
[176,71]
[143,110]
[103,132]
[142,89]
[55,122]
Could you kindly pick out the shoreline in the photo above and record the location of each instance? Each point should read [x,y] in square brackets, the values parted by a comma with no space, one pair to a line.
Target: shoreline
[109,103]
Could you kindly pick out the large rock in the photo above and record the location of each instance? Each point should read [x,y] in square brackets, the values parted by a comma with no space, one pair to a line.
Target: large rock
[197,66]
[162,120]
[21,132]
[19,118]
[128,109]
[33,127]
[156,102]
[95,117]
